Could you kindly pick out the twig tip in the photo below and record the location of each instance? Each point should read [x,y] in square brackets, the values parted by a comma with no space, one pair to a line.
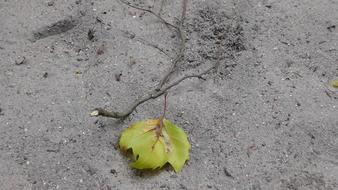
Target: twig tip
[94,113]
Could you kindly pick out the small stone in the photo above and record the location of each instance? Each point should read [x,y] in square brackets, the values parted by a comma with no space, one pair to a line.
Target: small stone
[20,60]
[129,34]
[163,186]
[50,3]
[118,76]
[91,34]
[182,186]
[108,27]
[100,50]
[113,171]
[78,72]
[132,61]
[331,28]
[289,62]
[227,173]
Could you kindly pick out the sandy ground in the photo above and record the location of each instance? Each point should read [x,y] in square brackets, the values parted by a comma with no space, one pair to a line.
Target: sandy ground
[269,121]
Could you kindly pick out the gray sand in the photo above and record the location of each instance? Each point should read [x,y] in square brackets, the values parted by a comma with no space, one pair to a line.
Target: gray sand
[268,121]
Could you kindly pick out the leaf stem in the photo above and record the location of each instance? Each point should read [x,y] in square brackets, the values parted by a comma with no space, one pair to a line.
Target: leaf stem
[163,115]
[165,104]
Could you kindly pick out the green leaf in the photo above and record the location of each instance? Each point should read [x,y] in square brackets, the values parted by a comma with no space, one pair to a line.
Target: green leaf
[156,142]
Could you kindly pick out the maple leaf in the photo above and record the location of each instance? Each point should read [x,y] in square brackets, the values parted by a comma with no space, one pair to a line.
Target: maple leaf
[156,142]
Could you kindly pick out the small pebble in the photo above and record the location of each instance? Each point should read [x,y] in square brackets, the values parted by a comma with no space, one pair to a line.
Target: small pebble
[163,186]
[90,34]
[78,72]
[20,60]
[50,3]
[118,76]
[113,171]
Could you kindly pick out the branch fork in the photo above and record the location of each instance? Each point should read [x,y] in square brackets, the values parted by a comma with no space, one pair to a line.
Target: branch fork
[163,86]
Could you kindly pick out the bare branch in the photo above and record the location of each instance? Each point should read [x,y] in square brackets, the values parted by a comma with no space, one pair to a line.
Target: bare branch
[184,11]
[161,7]
[151,12]
[179,32]
[143,41]
[161,88]
[131,35]
[154,94]
[169,72]
[180,54]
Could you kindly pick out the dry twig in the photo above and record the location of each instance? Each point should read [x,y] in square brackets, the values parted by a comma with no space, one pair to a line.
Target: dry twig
[180,53]
[149,11]
[161,7]
[161,87]
[154,94]
[152,45]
